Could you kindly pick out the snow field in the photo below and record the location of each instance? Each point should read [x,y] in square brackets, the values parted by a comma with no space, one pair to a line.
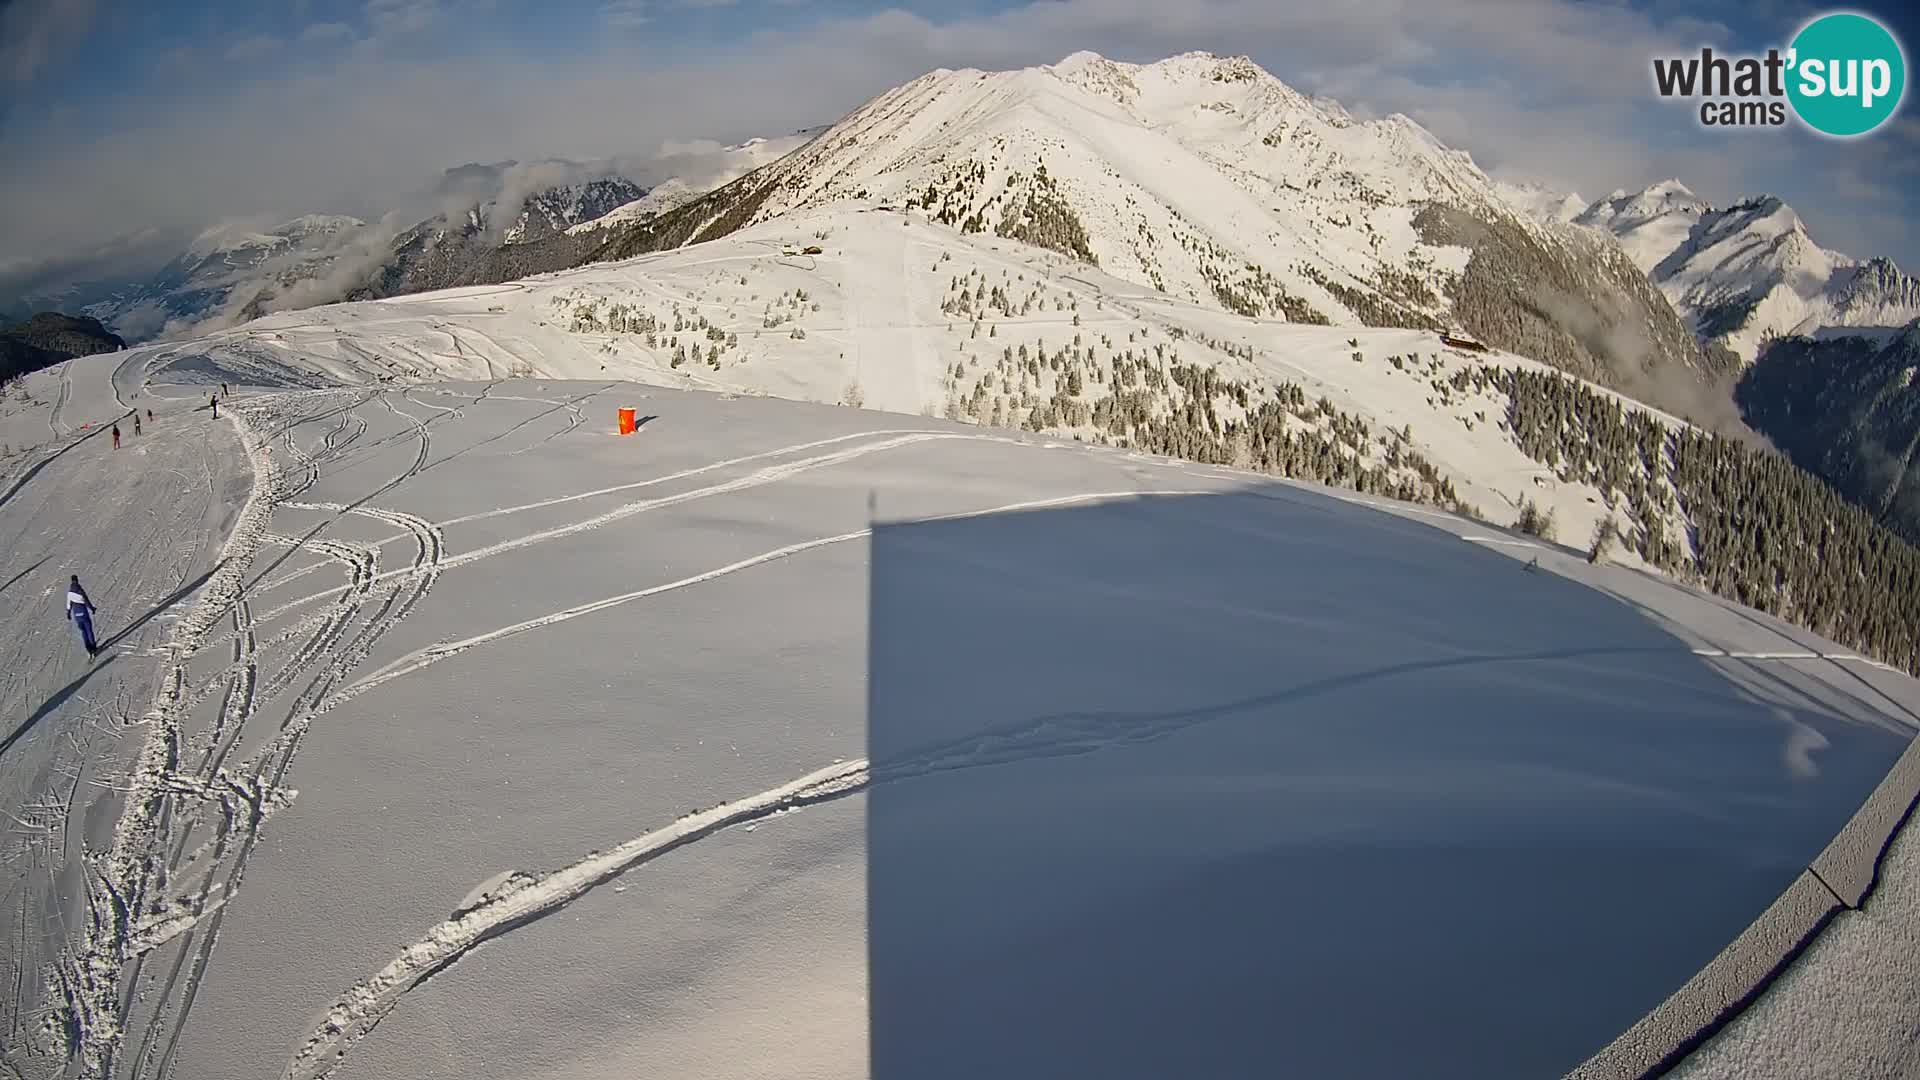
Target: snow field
[884,325]
[490,656]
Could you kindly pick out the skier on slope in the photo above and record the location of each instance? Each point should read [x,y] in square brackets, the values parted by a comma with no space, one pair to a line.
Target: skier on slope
[80,613]
[136,424]
[214,404]
[116,436]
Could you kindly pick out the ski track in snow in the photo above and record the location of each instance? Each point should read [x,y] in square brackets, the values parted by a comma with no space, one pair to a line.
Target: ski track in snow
[682,474]
[433,654]
[769,475]
[89,979]
[294,575]
[60,402]
[232,848]
[194,812]
[542,504]
[198,800]
[196,809]
[522,898]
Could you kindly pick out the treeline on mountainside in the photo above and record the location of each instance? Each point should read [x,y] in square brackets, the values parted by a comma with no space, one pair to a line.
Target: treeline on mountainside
[1153,401]
[1765,532]
[1847,411]
[1762,532]
[720,212]
[50,337]
[1586,310]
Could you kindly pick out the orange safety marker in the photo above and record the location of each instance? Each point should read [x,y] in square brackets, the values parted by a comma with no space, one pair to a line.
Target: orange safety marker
[627,426]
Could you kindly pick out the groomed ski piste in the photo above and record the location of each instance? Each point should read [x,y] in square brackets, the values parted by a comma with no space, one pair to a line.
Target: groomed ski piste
[445,731]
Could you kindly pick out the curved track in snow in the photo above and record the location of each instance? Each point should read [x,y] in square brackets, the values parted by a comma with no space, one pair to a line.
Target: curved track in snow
[449,556]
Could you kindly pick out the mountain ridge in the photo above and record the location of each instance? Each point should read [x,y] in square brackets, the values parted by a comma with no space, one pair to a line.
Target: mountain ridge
[49,338]
[1749,273]
[1207,179]
[490,221]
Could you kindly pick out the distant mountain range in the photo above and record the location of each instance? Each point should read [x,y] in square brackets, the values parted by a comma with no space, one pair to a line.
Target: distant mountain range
[1828,344]
[1204,178]
[1201,178]
[490,223]
[1742,275]
[48,338]
[443,251]
[1846,409]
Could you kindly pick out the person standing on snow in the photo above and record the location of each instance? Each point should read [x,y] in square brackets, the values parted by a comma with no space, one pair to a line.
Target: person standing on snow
[214,404]
[80,613]
[116,436]
[136,424]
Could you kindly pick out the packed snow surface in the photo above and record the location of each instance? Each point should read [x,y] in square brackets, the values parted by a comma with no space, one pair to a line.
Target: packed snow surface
[878,318]
[787,739]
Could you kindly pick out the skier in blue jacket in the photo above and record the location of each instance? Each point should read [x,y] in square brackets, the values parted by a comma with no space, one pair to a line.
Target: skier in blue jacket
[80,612]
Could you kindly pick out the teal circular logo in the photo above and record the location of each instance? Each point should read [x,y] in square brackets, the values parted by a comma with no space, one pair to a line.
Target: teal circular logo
[1847,74]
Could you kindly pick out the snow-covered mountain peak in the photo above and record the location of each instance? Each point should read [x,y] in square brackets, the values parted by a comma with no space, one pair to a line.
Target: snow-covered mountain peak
[662,197]
[225,237]
[1877,293]
[1078,62]
[229,239]
[1751,271]
[557,209]
[1630,209]
[1541,202]
[1201,178]
[1650,223]
[1095,73]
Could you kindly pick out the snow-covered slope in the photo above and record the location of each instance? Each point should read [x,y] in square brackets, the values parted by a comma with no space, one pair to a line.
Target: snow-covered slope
[1749,272]
[559,209]
[1650,224]
[659,199]
[1208,180]
[1543,202]
[221,260]
[904,315]
[728,165]
[854,732]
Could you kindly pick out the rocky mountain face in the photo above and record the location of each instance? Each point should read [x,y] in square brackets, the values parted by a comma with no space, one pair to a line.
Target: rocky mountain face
[1847,410]
[221,263]
[1748,274]
[1542,202]
[558,209]
[555,230]
[453,248]
[1205,178]
[50,337]
[667,195]
[1823,344]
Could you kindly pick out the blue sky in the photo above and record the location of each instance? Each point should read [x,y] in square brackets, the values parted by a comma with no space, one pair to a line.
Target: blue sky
[117,116]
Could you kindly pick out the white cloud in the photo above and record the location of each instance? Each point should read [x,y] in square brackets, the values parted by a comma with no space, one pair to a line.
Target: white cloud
[145,249]
[1551,90]
[326,31]
[390,18]
[33,33]
[625,14]
[253,48]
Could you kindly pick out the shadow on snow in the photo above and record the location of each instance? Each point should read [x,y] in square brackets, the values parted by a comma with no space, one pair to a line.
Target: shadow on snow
[1268,783]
